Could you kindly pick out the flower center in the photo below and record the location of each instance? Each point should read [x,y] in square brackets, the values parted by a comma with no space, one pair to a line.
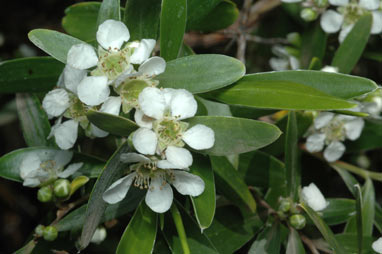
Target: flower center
[352,12]
[111,64]
[169,132]
[334,131]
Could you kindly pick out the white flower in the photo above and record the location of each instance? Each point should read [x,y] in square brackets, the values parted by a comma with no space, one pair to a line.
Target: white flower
[112,106]
[331,130]
[56,102]
[328,68]
[64,133]
[99,235]
[313,197]
[148,174]
[377,245]
[34,171]
[284,60]
[348,14]
[161,131]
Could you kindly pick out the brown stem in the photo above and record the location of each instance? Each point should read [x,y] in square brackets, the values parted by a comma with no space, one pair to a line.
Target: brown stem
[308,242]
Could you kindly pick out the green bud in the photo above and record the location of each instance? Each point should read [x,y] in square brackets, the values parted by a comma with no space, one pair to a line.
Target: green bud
[294,39]
[45,194]
[61,188]
[321,3]
[50,233]
[39,230]
[298,221]
[285,205]
[308,14]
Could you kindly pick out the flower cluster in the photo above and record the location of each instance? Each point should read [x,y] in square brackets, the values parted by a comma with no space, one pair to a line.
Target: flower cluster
[344,16]
[88,76]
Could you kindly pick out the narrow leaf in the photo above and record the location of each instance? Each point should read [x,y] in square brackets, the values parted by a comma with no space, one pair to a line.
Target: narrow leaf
[34,74]
[314,42]
[172,27]
[338,211]
[237,135]
[53,43]
[34,121]
[110,9]
[359,215]
[268,241]
[142,18]
[355,42]
[294,245]
[96,206]
[293,171]
[199,9]
[201,73]
[139,236]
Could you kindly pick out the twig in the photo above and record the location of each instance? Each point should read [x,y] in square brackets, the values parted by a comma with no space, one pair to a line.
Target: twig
[242,41]
[262,202]
[309,243]
[65,210]
[262,40]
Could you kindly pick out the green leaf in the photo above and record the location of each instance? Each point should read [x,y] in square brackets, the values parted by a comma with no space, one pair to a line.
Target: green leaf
[116,125]
[314,42]
[27,249]
[110,9]
[53,43]
[268,241]
[370,138]
[10,163]
[293,170]
[349,241]
[96,206]
[294,245]
[80,20]
[348,178]
[74,220]
[142,18]
[204,204]
[139,236]
[222,16]
[378,217]
[201,73]
[232,186]
[34,74]
[336,84]
[236,135]
[231,230]
[278,95]
[338,211]
[324,229]
[172,27]
[214,108]
[359,213]
[198,9]
[34,121]
[355,42]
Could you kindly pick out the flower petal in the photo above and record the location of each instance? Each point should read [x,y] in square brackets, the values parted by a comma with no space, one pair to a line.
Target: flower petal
[159,195]
[56,102]
[93,90]
[112,34]
[112,105]
[142,120]
[354,128]
[97,132]
[165,164]
[66,134]
[133,158]
[70,170]
[188,184]
[145,141]
[29,166]
[315,142]
[31,182]
[82,56]
[339,2]
[334,151]
[118,190]
[323,119]
[328,68]
[279,64]
[377,245]
[376,27]
[183,104]
[143,51]
[72,77]
[331,21]
[168,93]
[199,137]
[152,66]
[179,157]
[369,4]
[152,102]
[62,158]
[313,197]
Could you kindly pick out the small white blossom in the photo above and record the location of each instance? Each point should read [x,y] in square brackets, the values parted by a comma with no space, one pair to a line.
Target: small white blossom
[65,133]
[284,60]
[99,235]
[148,174]
[56,102]
[34,171]
[377,245]
[313,197]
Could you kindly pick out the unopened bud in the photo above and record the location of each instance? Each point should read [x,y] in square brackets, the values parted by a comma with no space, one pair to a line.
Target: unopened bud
[45,194]
[321,3]
[285,205]
[297,221]
[39,230]
[308,14]
[50,233]
[61,188]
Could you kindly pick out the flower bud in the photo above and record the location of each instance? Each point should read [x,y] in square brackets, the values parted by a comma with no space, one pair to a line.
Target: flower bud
[308,14]
[45,194]
[321,3]
[50,233]
[297,221]
[39,230]
[61,188]
[285,205]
